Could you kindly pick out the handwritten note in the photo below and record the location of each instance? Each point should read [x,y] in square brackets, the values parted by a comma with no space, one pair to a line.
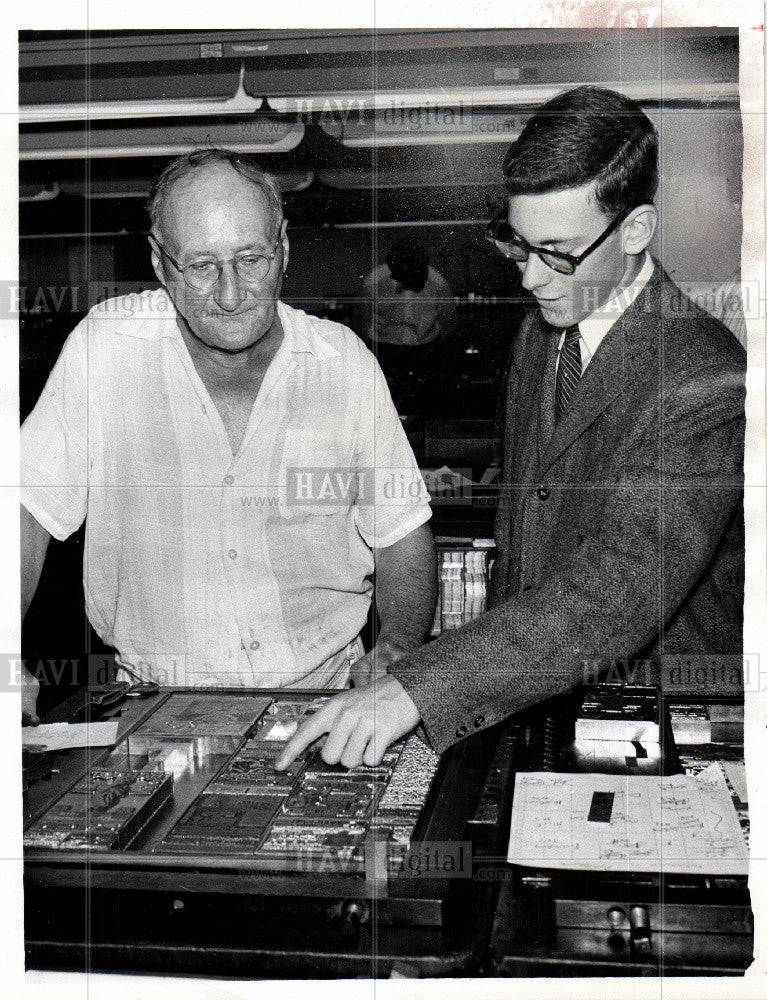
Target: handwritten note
[619,823]
[63,736]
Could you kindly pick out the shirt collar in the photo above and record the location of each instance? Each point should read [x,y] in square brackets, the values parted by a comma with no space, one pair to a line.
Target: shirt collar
[148,315]
[301,334]
[594,328]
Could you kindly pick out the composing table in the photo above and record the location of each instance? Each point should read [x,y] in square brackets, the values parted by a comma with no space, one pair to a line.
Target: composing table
[181,850]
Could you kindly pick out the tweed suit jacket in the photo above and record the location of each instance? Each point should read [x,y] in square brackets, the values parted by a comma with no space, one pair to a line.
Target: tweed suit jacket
[619,530]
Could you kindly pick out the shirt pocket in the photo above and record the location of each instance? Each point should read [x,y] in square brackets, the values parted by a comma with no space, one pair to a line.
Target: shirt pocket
[320,481]
[311,532]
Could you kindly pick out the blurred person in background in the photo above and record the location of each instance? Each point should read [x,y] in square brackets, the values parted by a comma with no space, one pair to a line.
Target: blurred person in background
[406,309]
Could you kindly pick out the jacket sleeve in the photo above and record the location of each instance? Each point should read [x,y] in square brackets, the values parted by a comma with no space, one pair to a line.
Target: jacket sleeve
[680,486]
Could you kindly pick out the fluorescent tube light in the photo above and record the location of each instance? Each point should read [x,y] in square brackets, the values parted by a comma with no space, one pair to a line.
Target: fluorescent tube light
[240,103]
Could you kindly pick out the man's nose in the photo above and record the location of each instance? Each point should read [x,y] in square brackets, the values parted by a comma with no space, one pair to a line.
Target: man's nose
[228,291]
[535,274]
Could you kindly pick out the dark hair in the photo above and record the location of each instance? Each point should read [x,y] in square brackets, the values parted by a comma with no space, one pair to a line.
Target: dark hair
[584,135]
[408,263]
[184,165]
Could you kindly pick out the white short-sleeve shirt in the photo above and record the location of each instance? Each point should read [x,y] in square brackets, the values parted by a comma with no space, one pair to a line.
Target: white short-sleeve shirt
[202,566]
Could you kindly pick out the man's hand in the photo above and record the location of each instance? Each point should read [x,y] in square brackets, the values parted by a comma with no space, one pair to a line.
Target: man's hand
[376,663]
[360,725]
[30,688]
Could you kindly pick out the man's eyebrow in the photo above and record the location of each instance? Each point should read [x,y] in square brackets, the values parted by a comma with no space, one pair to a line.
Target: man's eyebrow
[212,255]
[543,243]
[262,251]
[560,242]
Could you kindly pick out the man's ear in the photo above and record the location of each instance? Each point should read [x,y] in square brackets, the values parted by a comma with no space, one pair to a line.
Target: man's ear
[639,228]
[285,245]
[156,261]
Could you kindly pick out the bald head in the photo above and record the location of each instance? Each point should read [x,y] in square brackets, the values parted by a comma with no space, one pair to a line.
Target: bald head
[179,174]
[202,209]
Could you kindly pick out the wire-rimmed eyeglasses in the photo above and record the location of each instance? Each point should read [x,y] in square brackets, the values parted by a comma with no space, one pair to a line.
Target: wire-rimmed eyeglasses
[204,274]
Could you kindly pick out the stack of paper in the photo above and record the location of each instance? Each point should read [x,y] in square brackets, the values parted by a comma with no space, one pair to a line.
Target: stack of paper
[65,735]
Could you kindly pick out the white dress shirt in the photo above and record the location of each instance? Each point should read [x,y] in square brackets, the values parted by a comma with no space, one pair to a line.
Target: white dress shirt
[594,328]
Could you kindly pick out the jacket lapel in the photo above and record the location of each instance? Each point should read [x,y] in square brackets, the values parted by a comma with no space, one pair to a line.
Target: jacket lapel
[526,398]
[547,397]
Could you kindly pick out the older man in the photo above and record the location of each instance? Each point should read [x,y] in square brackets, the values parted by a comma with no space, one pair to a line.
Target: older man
[229,455]
[620,528]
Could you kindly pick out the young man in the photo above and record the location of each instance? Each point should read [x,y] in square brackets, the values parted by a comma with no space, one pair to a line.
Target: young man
[620,529]
[171,424]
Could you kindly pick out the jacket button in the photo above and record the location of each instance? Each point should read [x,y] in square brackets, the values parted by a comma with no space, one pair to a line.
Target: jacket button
[461,732]
[479,721]
[543,493]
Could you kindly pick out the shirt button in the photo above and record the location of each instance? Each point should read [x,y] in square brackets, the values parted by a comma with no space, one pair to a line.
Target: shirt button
[543,493]
[228,480]
[255,645]
[461,732]
[479,721]
[232,553]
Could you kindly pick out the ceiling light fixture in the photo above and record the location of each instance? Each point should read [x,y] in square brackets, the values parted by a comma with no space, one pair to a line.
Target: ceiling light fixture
[257,136]
[515,97]
[426,127]
[240,103]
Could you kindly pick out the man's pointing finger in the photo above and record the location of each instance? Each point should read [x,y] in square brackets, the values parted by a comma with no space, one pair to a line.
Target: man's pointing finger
[306,734]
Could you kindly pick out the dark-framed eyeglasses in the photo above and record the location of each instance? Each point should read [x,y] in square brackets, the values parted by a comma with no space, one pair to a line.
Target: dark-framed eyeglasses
[513,247]
[203,275]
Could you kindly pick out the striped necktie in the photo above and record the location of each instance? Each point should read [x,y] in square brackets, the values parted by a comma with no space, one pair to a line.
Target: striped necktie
[569,370]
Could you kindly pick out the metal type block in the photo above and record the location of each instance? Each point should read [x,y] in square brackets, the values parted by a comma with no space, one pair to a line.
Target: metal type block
[252,773]
[205,715]
[101,785]
[325,799]
[82,812]
[224,818]
[91,841]
[341,841]
[283,717]
[380,772]
[41,836]
[399,832]
[101,813]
